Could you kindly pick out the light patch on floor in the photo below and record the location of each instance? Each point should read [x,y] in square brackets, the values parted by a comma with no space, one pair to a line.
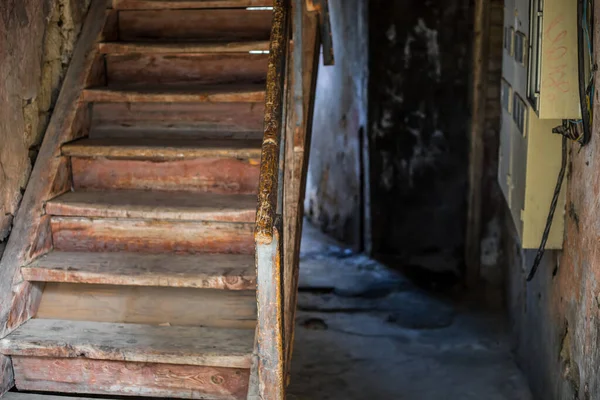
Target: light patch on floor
[366,333]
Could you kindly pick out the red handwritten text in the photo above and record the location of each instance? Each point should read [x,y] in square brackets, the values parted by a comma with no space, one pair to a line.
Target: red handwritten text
[555,80]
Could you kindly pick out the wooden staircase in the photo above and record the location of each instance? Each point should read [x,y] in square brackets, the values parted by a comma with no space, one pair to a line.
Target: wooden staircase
[132,266]
[150,283]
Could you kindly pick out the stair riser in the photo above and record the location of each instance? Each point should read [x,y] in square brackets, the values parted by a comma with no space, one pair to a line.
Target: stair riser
[180,118]
[207,25]
[249,93]
[171,134]
[149,305]
[186,4]
[178,69]
[215,175]
[154,236]
[130,379]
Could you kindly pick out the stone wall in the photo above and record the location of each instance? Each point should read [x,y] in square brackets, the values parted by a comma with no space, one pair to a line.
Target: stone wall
[36,43]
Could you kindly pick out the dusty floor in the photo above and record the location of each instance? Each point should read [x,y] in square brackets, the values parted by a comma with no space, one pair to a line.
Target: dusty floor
[366,333]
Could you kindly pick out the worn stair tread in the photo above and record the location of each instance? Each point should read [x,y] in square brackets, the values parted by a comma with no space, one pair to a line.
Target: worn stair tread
[223,93]
[187,4]
[231,348]
[171,133]
[182,206]
[163,148]
[30,396]
[183,47]
[206,271]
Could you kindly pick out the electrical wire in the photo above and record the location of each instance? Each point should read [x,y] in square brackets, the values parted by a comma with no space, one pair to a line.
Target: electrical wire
[583,36]
[586,30]
[576,130]
[559,182]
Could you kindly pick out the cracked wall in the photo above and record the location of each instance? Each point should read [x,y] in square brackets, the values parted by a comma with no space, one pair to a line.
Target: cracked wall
[36,43]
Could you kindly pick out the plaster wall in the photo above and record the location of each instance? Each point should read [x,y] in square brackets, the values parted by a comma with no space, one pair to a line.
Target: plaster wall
[36,42]
[334,187]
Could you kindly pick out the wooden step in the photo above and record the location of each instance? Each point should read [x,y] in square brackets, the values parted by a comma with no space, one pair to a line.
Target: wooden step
[187,4]
[151,236]
[150,305]
[205,271]
[131,342]
[177,206]
[175,70]
[128,359]
[168,25]
[29,396]
[173,133]
[250,93]
[163,149]
[183,47]
[177,117]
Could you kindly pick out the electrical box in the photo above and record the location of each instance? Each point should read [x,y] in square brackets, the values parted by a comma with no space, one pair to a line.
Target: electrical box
[552,79]
[539,89]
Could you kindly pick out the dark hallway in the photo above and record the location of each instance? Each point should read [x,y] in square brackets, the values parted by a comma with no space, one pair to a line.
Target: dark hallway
[366,332]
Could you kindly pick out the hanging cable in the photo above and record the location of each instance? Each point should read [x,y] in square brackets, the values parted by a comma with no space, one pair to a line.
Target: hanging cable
[583,38]
[559,182]
[575,130]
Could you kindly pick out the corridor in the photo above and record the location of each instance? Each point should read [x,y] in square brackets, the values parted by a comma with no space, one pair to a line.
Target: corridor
[366,332]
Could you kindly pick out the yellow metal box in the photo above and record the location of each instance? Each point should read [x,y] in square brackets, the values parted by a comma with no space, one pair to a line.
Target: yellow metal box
[539,90]
[552,63]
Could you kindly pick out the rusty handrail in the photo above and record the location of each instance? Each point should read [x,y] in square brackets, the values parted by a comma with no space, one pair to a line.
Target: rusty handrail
[274,125]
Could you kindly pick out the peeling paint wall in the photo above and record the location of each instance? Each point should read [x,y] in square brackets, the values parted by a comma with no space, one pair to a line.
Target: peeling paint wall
[36,43]
[333,193]
[418,127]
[556,317]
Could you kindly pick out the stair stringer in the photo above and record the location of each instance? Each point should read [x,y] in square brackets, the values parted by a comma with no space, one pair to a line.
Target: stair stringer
[31,236]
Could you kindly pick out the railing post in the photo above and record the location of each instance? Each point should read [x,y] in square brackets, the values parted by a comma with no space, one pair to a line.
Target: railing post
[302,77]
[270,320]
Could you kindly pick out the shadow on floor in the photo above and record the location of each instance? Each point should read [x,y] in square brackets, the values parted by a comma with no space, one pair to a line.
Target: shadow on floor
[365,332]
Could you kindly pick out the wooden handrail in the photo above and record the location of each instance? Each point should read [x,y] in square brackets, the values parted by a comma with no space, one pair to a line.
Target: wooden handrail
[271,146]
[268,230]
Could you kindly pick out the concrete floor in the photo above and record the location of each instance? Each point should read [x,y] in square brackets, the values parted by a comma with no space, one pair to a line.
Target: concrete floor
[365,332]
